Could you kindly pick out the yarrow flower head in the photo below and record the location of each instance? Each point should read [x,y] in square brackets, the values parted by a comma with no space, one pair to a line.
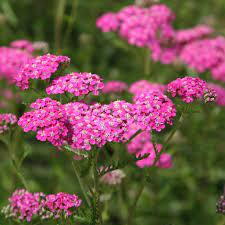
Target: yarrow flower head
[41,67]
[153,110]
[97,124]
[113,178]
[11,60]
[48,119]
[165,160]
[61,204]
[77,84]
[188,88]
[23,45]
[142,86]
[26,206]
[108,22]
[114,86]
[6,120]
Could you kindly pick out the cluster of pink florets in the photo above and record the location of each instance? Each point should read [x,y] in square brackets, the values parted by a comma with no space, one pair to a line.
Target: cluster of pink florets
[208,54]
[6,120]
[26,206]
[153,110]
[48,119]
[152,28]
[139,26]
[165,160]
[142,86]
[61,204]
[23,45]
[77,84]
[11,60]
[114,86]
[142,144]
[41,67]
[114,177]
[188,88]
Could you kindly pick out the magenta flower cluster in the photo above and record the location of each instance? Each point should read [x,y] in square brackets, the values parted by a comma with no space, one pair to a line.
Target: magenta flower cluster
[139,26]
[207,54]
[11,60]
[153,110]
[142,86]
[165,160]
[41,67]
[23,45]
[77,84]
[114,86]
[188,88]
[26,206]
[6,120]
[48,119]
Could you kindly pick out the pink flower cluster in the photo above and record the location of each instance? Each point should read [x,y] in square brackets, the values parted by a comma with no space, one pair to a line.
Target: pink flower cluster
[142,86]
[11,60]
[165,160]
[61,204]
[6,120]
[114,86]
[113,178]
[141,145]
[41,67]
[97,124]
[207,54]
[152,28]
[26,206]
[77,84]
[188,88]
[220,93]
[23,45]
[139,26]
[48,119]
[153,110]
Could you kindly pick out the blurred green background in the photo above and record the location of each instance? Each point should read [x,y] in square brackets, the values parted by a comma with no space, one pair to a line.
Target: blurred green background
[184,195]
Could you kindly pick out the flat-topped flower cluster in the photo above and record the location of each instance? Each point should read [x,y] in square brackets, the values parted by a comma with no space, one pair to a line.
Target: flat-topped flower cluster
[27,206]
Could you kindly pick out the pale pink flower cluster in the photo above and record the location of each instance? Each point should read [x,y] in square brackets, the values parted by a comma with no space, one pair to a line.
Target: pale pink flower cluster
[26,206]
[142,86]
[153,110]
[114,86]
[165,160]
[220,93]
[207,54]
[188,88]
[48,119]
[23,45]
[77,84]
[114,177]
[41,67]
[139,26]
[11,60]
[6,120]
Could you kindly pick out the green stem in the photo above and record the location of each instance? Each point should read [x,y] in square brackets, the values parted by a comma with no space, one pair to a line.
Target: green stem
[147,64]
[82,220]
[58,23]
[11,145]
[132,208]
[134,135]
[81,185]
[96,216]
[166,143]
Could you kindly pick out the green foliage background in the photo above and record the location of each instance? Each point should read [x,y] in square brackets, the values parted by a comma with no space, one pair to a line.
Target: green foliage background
[183,195]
